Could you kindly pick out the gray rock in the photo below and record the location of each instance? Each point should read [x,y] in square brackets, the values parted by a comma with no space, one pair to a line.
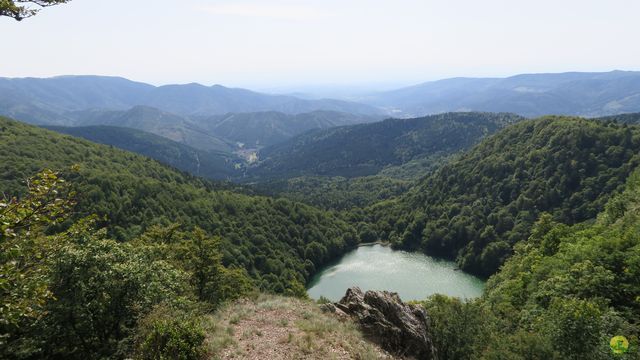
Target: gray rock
[400,328]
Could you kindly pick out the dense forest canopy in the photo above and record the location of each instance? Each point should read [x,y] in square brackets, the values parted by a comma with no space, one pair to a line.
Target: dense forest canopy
[108,254]
[279,242]
[478,206]
[519,206]
[210,164]
[566,292]
[366,149]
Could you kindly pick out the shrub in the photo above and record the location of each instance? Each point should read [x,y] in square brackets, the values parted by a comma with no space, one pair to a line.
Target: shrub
[170,334]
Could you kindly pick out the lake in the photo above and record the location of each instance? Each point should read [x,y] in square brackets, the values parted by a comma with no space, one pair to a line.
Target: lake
[414,276]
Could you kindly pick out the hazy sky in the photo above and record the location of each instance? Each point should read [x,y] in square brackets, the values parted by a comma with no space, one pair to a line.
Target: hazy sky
[263,43]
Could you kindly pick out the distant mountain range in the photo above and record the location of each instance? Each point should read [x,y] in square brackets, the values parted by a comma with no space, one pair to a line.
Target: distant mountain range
[220,119]
[212,118]
[574,93]
[47,101]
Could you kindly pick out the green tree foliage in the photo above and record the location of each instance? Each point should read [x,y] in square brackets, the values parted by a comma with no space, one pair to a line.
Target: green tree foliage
[101,288]
[477,207]
[24,246]
[336,193]
[169,333]
[210,163]
[21,9]
[130,194]
[366,149]
[78,294]
[199,255]
[560,302]
[456,326]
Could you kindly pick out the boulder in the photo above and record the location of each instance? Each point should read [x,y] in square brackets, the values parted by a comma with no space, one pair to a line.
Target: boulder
[402,329]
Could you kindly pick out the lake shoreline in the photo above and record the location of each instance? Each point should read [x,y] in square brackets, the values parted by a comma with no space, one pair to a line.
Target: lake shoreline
[377,266]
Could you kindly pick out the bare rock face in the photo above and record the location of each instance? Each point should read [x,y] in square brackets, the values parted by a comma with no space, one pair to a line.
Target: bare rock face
[400,328]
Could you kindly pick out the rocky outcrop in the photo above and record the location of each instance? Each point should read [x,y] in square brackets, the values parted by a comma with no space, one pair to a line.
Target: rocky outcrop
[399,328]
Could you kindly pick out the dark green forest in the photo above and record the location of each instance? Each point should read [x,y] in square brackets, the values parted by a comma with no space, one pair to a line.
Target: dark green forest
[366,149]
[336,193]
[564,293]
[205,163]
[476,208]
[279,242]
[112,254]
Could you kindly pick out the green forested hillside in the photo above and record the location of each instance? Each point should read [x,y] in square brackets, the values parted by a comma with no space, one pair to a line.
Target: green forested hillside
[260,129]
[217,132]
[209,164]
[279,242]
[477,207]
[630,118]
[155,121]
[336,193]
[366,149]
[131,281]
[564,294]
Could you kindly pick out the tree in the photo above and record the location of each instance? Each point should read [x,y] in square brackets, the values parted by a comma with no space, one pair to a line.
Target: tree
[101,288]
[23,245]
[21,9]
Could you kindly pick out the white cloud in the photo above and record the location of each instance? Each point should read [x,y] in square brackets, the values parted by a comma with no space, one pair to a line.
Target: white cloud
[261,10]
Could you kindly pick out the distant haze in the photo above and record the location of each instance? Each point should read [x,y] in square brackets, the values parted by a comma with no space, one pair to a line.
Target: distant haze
[289,44]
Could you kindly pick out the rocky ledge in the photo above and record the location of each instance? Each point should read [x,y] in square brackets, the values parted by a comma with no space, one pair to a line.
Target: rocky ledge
[400,328]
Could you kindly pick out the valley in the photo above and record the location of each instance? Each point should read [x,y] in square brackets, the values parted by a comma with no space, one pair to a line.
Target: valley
[237,205]
[300,180]
[459,199]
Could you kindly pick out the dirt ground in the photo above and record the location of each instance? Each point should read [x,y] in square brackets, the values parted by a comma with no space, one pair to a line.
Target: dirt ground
[273,327]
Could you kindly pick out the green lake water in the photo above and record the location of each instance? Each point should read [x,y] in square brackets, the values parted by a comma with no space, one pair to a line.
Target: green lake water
[414,276]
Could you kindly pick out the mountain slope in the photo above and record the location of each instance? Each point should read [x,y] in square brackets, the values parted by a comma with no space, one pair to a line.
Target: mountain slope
[218,132]
[279,242]
[30,97]
[582,94]
[575,282]
[261,129]
[477,207]
[366,149]
[155,121]
[209,164]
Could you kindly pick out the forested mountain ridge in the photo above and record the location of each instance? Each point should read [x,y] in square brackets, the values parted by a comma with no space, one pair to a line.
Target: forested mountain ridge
[557,285]
[226,132]
[279,242]
[531,95]
[477,207]
[46,101]
[155,121]
[579,282]
[260,129]
[208,164]
[366,149]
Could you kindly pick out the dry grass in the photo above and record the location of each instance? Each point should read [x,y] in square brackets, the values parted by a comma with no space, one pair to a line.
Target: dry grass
[273,327]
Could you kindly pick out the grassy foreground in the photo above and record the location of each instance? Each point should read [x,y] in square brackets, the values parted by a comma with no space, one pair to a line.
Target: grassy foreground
[276,327]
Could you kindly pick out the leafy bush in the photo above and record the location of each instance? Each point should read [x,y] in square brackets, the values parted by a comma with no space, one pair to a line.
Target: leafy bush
[170,334]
